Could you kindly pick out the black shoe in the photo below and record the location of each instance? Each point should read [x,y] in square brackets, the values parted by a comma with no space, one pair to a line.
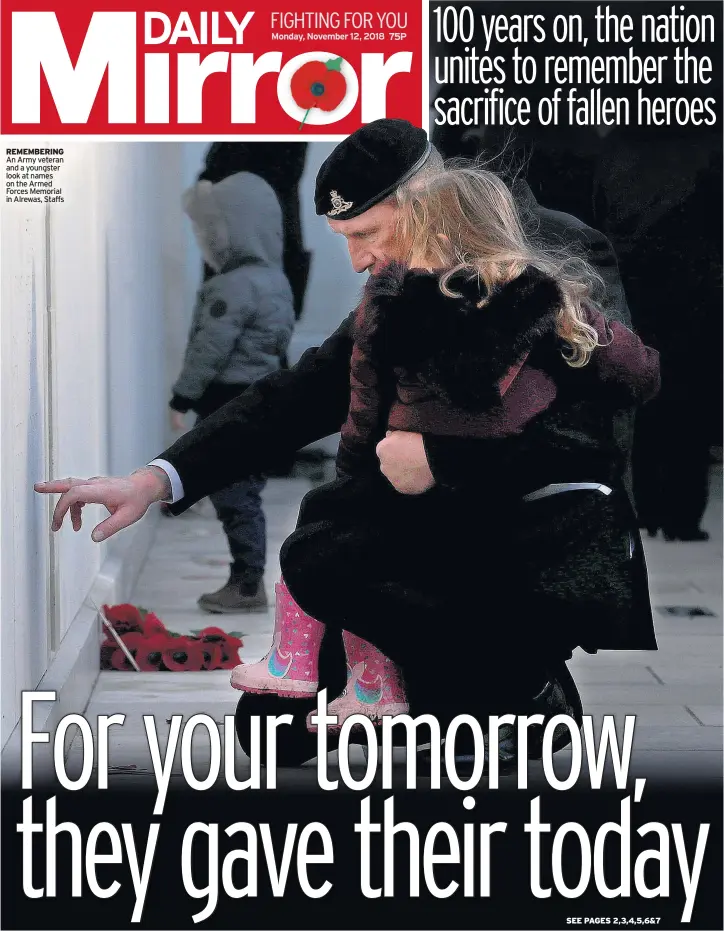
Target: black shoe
[558,696]
[686,536]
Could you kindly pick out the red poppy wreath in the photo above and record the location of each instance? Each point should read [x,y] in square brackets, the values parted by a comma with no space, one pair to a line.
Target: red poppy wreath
[318,84]
[154,648]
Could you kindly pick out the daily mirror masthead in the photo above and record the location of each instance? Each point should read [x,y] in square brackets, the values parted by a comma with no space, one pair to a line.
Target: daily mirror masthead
[308,71]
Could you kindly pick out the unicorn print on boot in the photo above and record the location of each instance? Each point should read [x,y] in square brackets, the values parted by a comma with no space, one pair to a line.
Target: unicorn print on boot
[374,685]
[291,667]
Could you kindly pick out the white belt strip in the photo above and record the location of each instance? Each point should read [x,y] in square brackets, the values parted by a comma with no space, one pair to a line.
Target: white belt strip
[559,488]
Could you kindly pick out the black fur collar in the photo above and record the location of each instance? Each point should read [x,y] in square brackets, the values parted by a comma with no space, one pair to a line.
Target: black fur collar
[450,344]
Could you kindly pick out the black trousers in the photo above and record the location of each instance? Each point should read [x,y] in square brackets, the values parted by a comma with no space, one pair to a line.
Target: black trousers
[239,506]
[404,573]
[671,464]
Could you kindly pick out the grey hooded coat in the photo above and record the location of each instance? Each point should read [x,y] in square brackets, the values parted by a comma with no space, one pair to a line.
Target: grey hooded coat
[244,315]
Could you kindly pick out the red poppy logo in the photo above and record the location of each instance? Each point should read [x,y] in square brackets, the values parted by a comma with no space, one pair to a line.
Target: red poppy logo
[318,84]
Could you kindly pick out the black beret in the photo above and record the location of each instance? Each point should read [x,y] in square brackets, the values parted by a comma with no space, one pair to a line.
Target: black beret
[368,166]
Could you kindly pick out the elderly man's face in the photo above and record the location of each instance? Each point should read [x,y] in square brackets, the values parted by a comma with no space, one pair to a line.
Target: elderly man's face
[370,237]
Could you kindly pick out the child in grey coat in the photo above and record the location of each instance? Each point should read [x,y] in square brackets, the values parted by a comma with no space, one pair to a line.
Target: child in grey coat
[241,327]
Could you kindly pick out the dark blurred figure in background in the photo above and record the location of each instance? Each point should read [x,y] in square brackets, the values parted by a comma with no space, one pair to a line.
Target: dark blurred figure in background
[660,199]
[281,165]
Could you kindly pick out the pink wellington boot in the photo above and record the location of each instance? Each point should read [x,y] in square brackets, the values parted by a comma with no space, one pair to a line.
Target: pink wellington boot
[291,667]
[374,685]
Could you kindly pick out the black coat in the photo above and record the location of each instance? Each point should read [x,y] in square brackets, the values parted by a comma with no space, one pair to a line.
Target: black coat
[568,568]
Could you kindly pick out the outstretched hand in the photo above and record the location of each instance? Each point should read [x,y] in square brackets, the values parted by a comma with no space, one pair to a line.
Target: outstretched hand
[127,499]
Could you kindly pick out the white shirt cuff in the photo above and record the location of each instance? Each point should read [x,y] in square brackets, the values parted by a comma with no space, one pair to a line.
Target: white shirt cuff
[177,488]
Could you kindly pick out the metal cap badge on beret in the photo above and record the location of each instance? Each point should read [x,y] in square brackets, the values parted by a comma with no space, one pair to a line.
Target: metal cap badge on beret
[368,166]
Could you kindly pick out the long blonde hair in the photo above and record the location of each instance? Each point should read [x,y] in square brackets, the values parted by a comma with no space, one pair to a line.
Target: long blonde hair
[464,219]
